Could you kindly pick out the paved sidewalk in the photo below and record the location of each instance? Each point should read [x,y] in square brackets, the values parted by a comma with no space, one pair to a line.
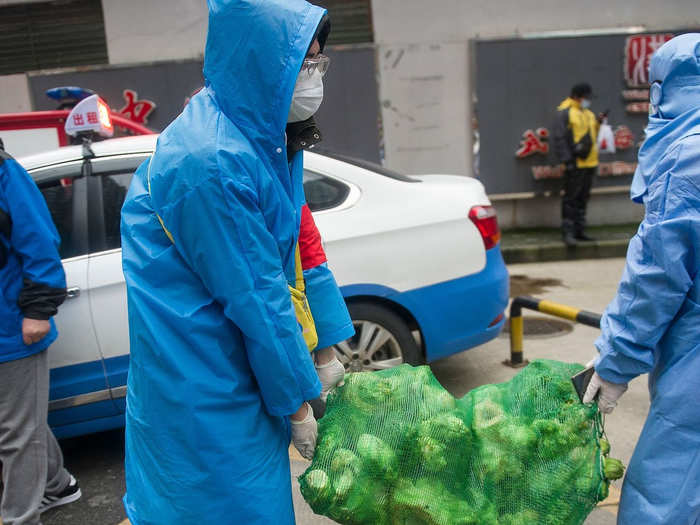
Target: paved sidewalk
[545,244]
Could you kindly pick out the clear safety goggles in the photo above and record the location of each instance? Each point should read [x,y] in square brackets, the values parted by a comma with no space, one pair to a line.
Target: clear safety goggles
[318,63]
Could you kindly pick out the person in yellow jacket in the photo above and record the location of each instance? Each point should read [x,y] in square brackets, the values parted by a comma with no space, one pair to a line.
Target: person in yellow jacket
[575,144]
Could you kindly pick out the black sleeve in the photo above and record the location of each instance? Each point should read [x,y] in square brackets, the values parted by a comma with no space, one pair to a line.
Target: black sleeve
[562,140]
[40,301]
[5,231]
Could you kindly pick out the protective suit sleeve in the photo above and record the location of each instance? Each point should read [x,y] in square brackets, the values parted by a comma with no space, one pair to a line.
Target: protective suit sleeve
[220,231]
[328,307]
[33,237]
[661,264]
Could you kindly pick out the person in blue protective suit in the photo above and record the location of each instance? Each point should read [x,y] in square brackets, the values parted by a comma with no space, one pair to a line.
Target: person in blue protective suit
[653,324]
[220,372]
[32,286]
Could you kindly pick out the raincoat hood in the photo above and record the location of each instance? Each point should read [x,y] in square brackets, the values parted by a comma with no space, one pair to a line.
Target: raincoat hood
[568,103]
[254,52]
[675,91]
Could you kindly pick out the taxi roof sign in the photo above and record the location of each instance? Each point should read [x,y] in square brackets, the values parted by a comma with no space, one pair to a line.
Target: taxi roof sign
[90,114]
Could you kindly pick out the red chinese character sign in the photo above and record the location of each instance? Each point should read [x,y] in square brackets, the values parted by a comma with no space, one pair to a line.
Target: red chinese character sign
[638,52]
[135,109]
[533,142]
[624,138]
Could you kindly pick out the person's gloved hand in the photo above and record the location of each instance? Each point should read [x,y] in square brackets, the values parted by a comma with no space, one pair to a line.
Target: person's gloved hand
[304,434]
[608,392]
[331,375]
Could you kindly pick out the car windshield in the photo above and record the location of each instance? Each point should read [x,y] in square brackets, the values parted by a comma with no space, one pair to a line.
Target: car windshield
[372,166]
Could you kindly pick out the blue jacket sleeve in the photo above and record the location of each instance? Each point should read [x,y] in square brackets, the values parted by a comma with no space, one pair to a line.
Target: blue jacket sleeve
[331,317]
[220,231]
[662,261]
[34,239]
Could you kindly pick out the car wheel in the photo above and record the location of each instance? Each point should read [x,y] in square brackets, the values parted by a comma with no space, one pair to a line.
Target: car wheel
[382,340]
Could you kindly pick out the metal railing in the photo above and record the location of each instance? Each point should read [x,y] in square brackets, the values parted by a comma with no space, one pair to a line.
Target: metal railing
[546,307]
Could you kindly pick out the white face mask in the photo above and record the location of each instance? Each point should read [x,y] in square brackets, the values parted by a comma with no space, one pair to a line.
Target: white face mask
[307,98]
[585,103]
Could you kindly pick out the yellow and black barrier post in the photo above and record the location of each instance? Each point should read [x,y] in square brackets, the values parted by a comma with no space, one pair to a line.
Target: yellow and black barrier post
[546,307]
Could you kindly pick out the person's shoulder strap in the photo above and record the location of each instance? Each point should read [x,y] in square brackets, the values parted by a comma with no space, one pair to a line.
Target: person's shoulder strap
[298,270]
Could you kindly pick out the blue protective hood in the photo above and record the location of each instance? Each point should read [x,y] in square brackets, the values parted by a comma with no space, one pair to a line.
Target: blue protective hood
[253,56]
[661,135]
[675,94]
[674,72]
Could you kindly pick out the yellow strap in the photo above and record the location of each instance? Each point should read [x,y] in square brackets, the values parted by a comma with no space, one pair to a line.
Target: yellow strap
[298,270]
[148,180]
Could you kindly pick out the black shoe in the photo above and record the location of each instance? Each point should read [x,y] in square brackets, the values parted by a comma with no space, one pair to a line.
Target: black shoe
[68,495]
[583,237]
[569,239]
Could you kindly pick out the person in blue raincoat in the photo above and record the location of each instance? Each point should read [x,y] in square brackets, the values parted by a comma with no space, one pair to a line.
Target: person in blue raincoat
[653,324]
[32,287]
[220,372]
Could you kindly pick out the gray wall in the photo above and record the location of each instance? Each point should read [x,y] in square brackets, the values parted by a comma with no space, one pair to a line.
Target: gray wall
[347,118]
[167,84]
[519,85]
[434,40]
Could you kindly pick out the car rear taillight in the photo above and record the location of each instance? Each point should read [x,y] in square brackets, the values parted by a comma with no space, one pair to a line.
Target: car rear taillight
[484,218]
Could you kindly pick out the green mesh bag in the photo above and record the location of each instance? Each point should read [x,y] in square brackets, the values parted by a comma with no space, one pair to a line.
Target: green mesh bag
[395,448]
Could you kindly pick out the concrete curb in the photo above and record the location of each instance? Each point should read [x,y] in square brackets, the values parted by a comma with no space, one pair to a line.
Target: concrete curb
[558,251]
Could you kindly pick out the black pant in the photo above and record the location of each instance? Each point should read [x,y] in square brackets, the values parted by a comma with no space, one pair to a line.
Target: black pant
[577,190]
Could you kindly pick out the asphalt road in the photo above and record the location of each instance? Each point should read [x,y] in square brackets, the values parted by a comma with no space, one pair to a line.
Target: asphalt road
[97,460]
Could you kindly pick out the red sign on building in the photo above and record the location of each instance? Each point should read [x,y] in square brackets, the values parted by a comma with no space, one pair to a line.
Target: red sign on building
[533,142]
[638,52]
[135,109]
[624,138]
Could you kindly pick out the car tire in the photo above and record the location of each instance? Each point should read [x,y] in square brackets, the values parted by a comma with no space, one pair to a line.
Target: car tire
[387,342]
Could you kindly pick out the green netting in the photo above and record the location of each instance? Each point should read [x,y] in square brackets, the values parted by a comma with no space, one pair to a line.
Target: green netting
[396,448]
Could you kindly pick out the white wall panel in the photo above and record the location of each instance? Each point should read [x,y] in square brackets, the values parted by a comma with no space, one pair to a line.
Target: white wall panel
[15,94]
[150,31]
[424,107]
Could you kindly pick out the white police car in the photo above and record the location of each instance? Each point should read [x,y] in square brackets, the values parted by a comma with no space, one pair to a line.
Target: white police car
[417,259]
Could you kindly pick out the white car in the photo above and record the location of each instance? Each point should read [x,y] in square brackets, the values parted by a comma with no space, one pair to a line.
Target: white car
[417,259]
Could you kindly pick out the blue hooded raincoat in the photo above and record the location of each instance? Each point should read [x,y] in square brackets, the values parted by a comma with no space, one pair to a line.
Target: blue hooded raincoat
[653,324]
[218,362]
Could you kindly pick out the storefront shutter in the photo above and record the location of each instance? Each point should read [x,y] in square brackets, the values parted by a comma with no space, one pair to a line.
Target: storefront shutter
[351,21]
[48,35]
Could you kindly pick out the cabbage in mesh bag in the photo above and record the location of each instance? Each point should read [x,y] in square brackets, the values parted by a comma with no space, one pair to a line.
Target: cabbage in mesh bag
[395,448]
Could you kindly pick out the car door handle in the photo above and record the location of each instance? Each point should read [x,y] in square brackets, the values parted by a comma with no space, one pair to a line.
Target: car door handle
[73,292]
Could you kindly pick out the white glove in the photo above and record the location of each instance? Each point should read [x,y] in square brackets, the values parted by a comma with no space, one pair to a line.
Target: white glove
[331,375]
[608,392]
[304,434]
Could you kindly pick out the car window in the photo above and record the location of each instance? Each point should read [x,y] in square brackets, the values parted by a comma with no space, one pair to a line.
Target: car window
[107,189]
[323,193]
[59,195]
[114,188]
